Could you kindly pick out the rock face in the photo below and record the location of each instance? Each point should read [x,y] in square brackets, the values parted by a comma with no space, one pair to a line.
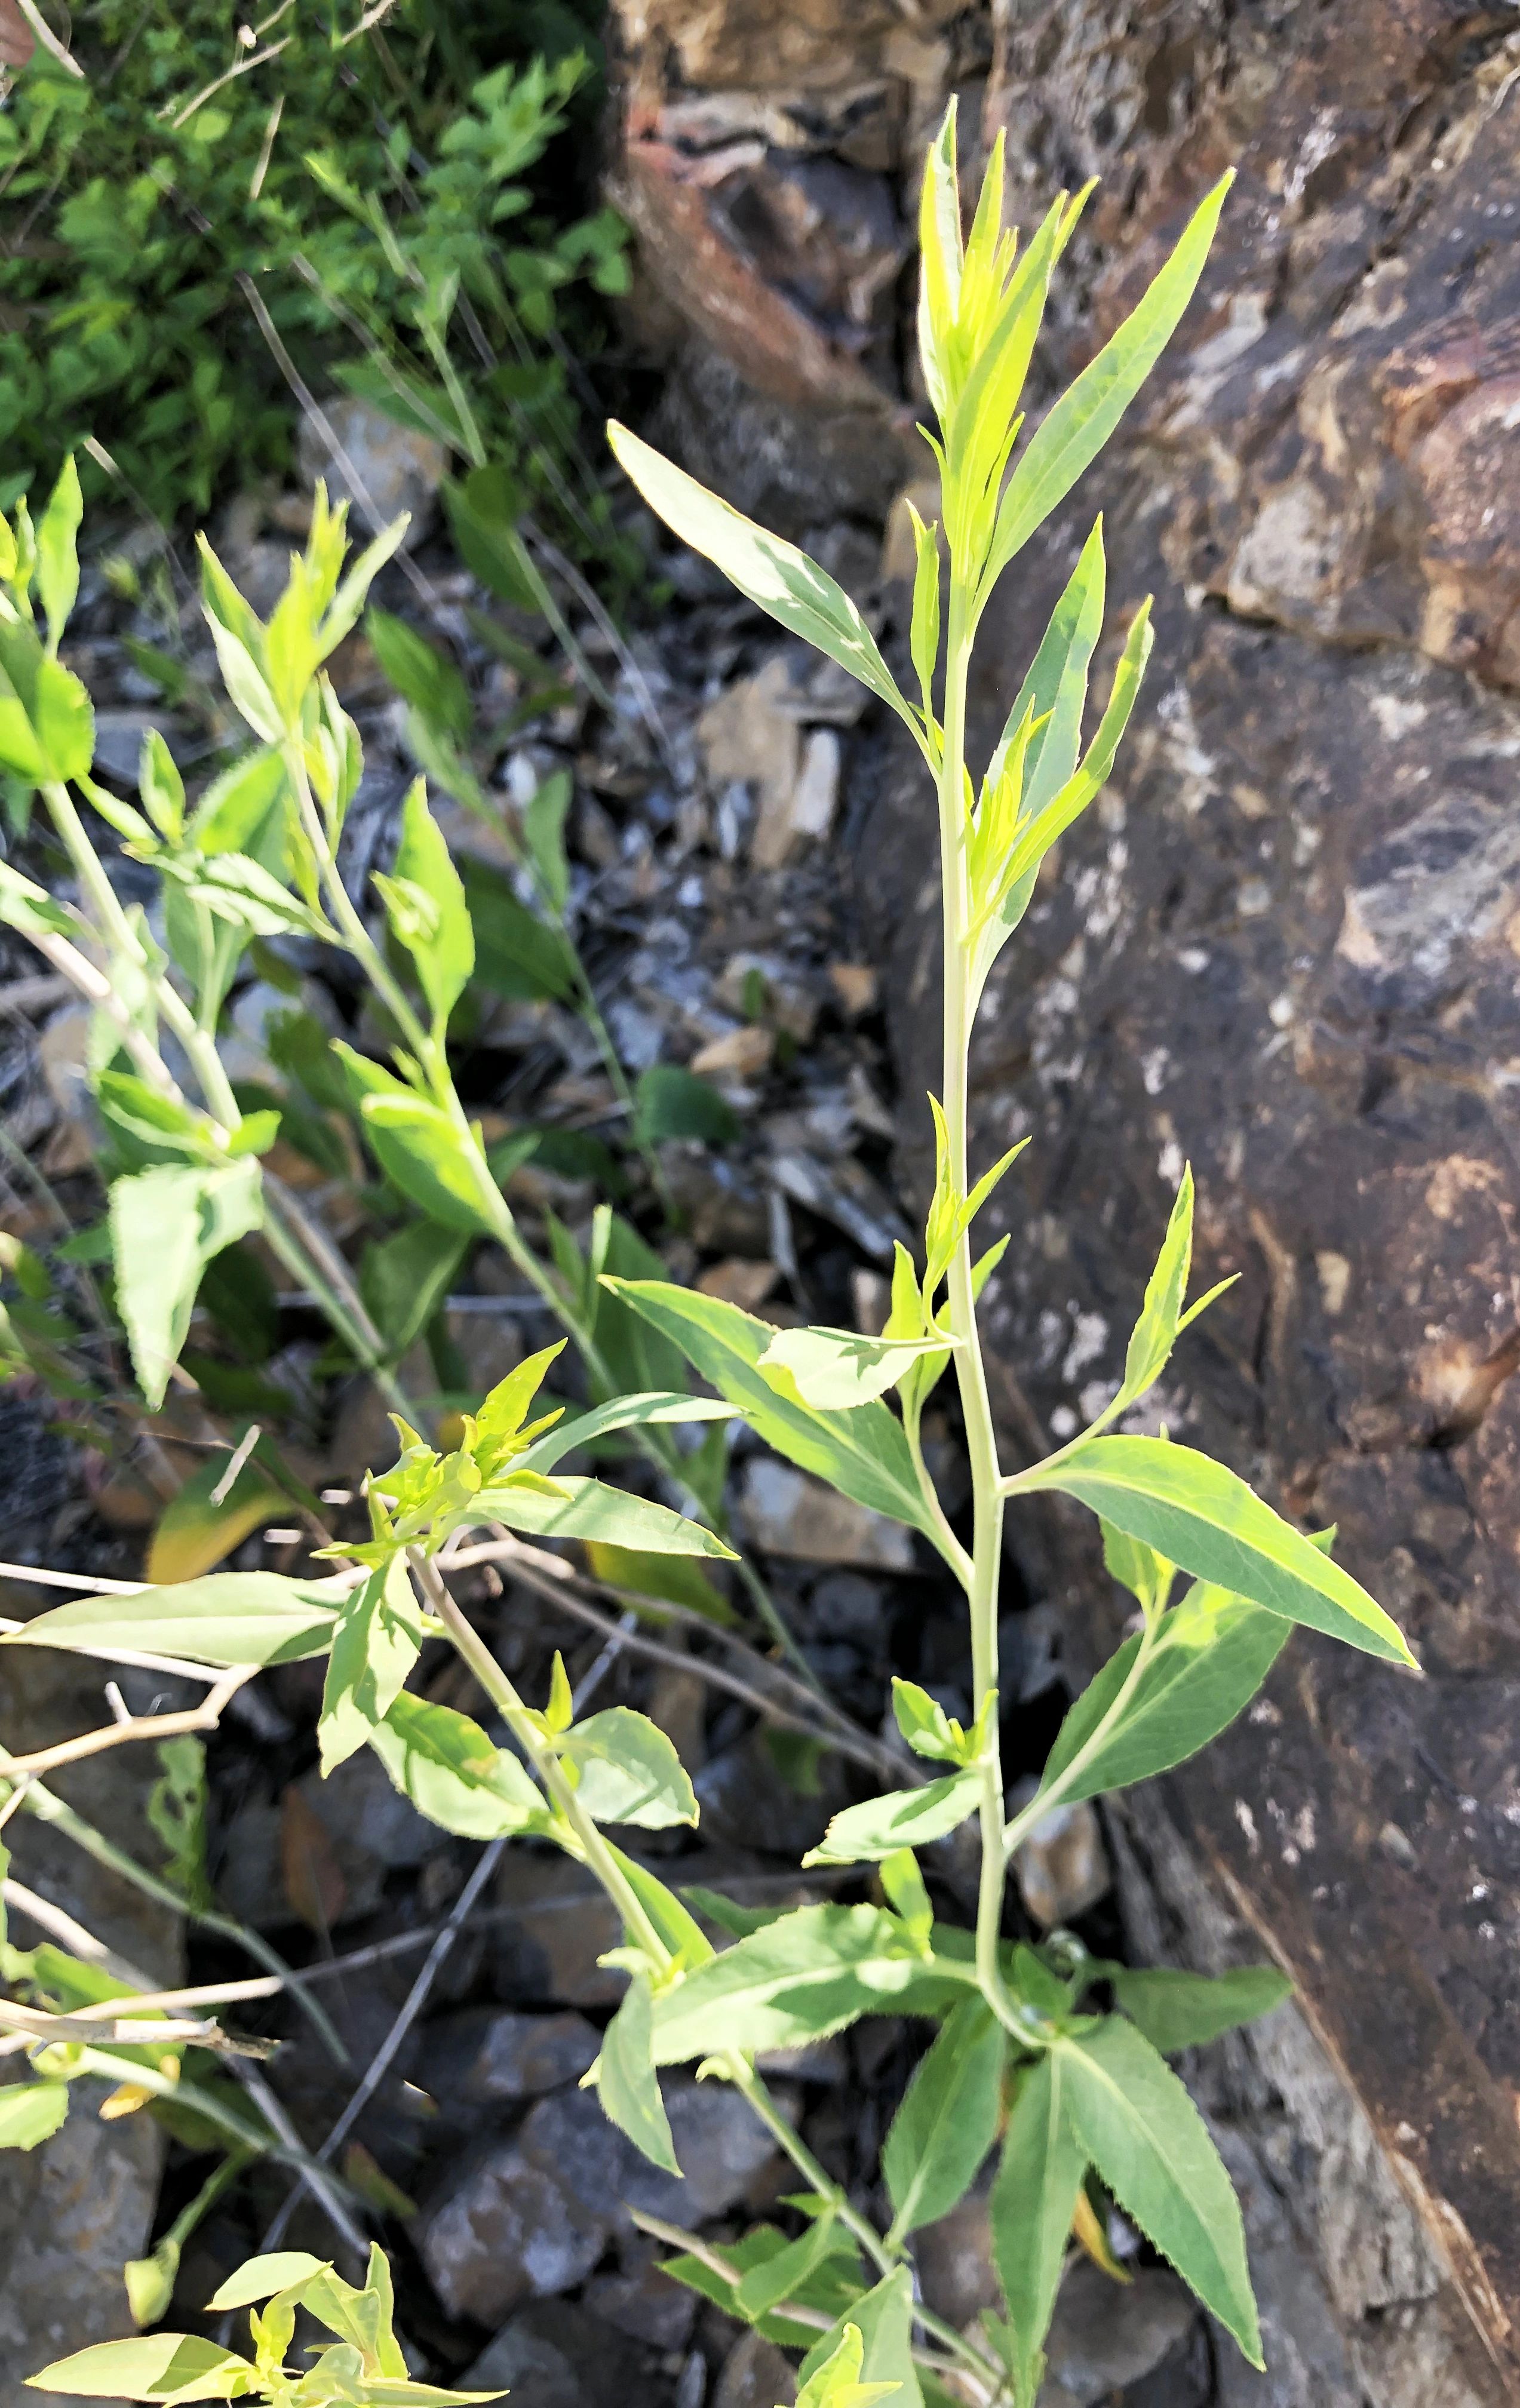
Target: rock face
[1284,947]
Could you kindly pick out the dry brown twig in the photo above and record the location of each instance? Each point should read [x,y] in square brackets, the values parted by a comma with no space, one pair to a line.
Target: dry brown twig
[120,1733]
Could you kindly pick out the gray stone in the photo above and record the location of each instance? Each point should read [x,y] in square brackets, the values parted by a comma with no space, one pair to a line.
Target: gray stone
[1061,1868]
[755,2375]
[386,469]
[489,2057]
[645,2305]
[1106,2335]
[360,1807]
[502,2229]
[551,2355]
[790,1514]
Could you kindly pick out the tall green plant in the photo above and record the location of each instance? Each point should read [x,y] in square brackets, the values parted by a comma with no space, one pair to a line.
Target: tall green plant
[1052,2060]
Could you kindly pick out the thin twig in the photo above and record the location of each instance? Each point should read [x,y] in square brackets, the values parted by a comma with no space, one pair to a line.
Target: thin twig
[239,66]
[136,1726]
[71,1935]
[124,2031]
[241,1452]
[49,39]
[371,17]
[267,148]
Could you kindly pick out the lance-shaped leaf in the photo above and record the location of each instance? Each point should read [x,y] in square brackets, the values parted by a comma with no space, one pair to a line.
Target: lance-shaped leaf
[948,2119]
[1197,1515]
[808,1973]
[831,1369]
[1213,1653]
[224,1619]
[1054,693]
[1176,2010]
[778,2278]
[1075,430]
[884,2321]
[446,1765]
[861,1450]
[1146,1575]
[775,575]
[377,1639]
[170,2367]
[441,939]
[419,1147]
[628,1771]
[1149,2144]
[259,2278]
[904,1818]
[626,1412]
[167,1224]
[831,2289]
[1033,2201]
[198,1528]
[58,557]
[590,1510]
[626,2083]
[31,2112]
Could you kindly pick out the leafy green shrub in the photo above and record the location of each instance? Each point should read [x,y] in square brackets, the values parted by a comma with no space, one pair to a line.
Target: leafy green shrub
[383,189]
[1052,2060]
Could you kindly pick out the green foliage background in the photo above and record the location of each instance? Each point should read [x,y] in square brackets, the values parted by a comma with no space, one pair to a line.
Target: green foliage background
[121,236]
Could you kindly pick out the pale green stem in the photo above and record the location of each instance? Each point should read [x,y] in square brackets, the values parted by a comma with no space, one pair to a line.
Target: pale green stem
[980,1440]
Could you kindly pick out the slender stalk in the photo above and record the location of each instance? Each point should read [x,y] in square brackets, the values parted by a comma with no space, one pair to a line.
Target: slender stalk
[976,1407]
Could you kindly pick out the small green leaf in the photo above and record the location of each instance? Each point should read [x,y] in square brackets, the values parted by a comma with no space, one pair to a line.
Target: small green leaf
[808,1973]
[1178,2010]
[924,1723]
[629,1772]
[443,949]
[150,2282]
[167,1224]
[58,558]
[778,2278]
[1034,2200]
[376,1642]
[156,2365]
[884,2321]
[543,831]
[1154,1333]
[948,2119]
[1138,1568]
[627,2082]
[1197,1515]
[197,1530]
[1149,2144]
[446,1765]
[234,805]
[904,1818]
[625,1412]
[31,2112]
[421,1148]
[404,1280]
[591,1511]
[29,909]
[260,2278]
[420,673]
[830,1370]
[669,1102]
[775,575]
[227,1618]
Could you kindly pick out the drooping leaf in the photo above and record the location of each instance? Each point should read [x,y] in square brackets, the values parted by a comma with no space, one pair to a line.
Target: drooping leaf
[861,1450]
[904,1818]
[1213,1655]
[774,574]
[627,2082]
[628,1770]
[376,1641]
[808,1973]
[226,1618]
[167,1224]
[592,1510]
[155,2366]
[948,2120]
[31,2112]
[260,2278]
[1033,2201]
[195,1531]
[1148,2141]
[1176,2010]
[1196,1513]
[448,1768]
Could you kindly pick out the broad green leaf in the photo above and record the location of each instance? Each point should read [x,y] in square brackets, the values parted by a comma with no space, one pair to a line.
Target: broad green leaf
[195,1531]
[1178,2010]
[628,1771]
[167,1224]
[376,1641]
[592,1510]
[155,2366]
[260,2278]
[446,1765]
[1213,1655]
[420,673]
[1154,1333]
[775,575]
[419,1147]
[1033,2201]
[439,938]
[1197,1515]
[766,2285]
[626,2083]
[861,1450]
[948,2119]
[405,1278]
[626,1412]
[31,2112]
[227,1618]
[516,953]
[64,719]
[1148,2141]
[904,1818]
[235,805]
[833,1369]
[884,2320]
[1075,429]
[58,558]
[808,1973]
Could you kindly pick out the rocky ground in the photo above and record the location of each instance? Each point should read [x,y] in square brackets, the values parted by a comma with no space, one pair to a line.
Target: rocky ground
[714,835]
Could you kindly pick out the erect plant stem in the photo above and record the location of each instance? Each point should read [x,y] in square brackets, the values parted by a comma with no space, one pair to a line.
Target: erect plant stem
[981,1445]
